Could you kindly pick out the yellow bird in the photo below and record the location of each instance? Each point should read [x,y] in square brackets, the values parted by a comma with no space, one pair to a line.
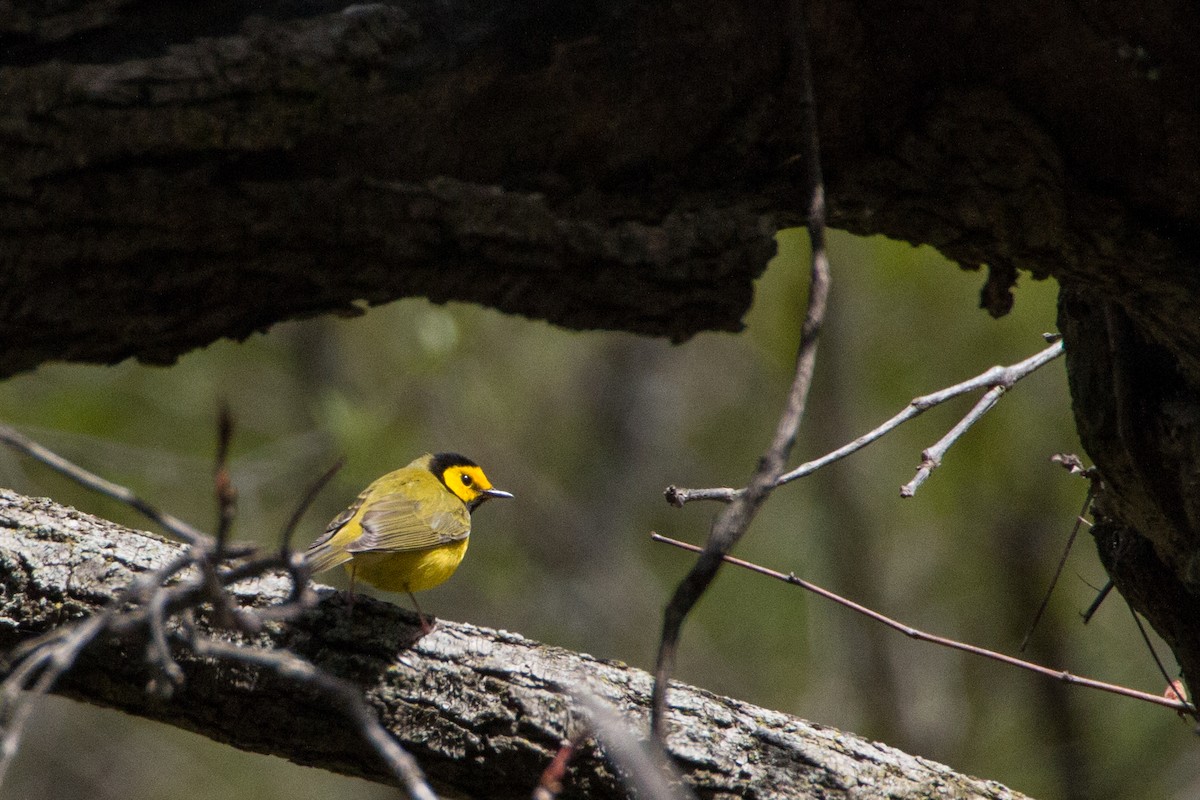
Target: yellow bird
[407,531]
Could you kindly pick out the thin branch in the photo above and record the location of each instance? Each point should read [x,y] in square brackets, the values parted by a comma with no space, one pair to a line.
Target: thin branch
[223,485]
[172,525]
[915,633]
[643,764]
[994,377]
[1062,562]
[346,696]
[1101,596]
[168,673]
[306,501]
[1172,686]
[52,655]
[931,458]
[733,521]
[48,663]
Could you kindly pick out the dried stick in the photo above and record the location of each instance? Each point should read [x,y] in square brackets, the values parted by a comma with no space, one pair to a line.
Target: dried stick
[998,376]
[305,502]
[1062,562]
[550,784]
[170,524]
[919,635]
[207,558]
[1173,688]
[931,457]
[644,765]
[49,657]
[1101,596]
[344,695]
[735,518]
[48,663]
[225,491]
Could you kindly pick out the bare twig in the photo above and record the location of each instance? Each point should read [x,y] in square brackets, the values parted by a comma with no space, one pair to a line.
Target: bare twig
[931,458]
[1173,688]
[223,485]
[1062,562]
[998,376]
[1101,596]
[170,524]
[733,521]
[344,695]
[643,764]
[52,655]
[285,537]
[915,633]
[47,663]
[207,558]
[168,673]
[1000,379]
[1074,464]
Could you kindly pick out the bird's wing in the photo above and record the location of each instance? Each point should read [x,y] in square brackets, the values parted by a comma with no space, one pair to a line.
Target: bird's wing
[394,523]
[324,553]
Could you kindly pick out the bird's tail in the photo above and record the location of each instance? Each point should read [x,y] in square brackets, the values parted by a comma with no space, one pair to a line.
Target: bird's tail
[323,555]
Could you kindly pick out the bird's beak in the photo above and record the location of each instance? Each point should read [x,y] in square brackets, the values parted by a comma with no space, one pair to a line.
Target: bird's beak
[486,495]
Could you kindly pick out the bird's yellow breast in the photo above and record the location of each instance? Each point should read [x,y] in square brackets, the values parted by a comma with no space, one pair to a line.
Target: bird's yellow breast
[413,571]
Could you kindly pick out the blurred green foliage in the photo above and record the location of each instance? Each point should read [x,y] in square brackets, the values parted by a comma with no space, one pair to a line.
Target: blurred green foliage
[587,429]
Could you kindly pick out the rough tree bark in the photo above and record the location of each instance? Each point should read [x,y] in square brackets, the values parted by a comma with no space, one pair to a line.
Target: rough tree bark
[175,176]
[483,710]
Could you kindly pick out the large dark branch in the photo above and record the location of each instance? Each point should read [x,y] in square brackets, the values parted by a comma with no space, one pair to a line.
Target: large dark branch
[172,177]
[483,711]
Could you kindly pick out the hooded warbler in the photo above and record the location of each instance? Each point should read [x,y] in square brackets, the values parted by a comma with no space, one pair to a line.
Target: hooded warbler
[407,531]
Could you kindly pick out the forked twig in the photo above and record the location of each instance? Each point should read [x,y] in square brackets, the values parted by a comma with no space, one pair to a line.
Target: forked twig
[996,377]
[36,675]
[915,633]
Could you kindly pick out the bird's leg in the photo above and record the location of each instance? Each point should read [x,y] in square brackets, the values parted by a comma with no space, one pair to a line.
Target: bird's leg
[426,627]
[353,569]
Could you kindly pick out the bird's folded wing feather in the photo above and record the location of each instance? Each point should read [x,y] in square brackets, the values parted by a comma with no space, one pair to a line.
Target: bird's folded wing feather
[322,554]
[395,523]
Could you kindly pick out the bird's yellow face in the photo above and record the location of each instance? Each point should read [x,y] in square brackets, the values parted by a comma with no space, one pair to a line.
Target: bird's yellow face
[468,482]
[464,478]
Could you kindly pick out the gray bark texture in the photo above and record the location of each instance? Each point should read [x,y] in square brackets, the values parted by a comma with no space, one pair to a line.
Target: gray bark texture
[484,711]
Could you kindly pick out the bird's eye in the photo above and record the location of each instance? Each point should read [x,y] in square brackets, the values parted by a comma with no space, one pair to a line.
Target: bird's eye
[466,479]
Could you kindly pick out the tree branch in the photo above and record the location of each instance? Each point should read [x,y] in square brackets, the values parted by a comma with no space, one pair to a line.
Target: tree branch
[998,377]
[482,711]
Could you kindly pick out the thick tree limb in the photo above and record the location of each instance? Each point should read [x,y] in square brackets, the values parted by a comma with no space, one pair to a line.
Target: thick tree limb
[174,177]
[1139,418]
[483,711]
